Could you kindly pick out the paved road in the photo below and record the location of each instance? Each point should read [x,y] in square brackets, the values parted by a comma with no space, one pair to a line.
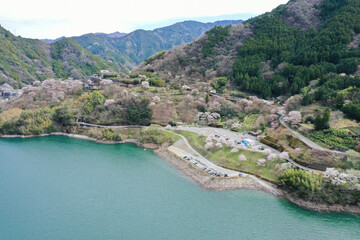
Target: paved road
[303,138]
[237,136]
[311,143]
[89,125]
[206,162]
[225,133]
[222,132]
[230,173]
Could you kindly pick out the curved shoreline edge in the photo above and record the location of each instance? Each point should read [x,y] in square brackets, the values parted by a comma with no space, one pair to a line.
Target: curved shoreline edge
[207,182]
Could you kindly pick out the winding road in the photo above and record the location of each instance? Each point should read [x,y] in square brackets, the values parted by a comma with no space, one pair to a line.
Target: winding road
[224,132]
[311,143]
[303,138]
[237,136]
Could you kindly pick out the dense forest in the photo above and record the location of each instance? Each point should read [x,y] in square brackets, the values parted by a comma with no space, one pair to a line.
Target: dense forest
[281,57]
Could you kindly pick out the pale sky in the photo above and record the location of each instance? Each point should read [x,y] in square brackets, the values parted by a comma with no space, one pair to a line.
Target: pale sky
[53,19]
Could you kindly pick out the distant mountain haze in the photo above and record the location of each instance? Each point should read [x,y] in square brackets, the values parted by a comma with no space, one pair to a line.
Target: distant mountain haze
[24,61]
[133,48]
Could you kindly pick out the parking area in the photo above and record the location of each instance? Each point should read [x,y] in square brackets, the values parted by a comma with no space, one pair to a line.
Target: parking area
[202,163]
[235,139]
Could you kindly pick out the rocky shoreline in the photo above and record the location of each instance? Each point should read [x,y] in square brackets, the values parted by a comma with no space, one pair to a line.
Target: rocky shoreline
[221,184]
[321,207]
[206,181]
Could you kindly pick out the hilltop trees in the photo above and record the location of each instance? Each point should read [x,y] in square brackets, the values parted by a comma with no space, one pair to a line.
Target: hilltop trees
[93,99]
[352,110]
[306,55]
[322,122]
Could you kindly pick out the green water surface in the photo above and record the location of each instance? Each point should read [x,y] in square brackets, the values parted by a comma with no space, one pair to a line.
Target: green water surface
[64,188]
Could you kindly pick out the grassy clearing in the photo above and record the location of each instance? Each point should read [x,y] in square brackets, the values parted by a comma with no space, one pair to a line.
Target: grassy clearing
[311,109]
[355,130]
[174,137]
[248,122]
[224,157]
[343,123]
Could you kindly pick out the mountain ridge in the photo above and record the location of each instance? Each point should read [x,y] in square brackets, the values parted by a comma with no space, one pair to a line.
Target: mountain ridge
[23,60]
[280,52]
[133,48]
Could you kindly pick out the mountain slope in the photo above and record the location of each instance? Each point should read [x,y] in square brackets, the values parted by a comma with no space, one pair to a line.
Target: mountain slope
[135,47]
[103,47]
[277,53]
[26,60]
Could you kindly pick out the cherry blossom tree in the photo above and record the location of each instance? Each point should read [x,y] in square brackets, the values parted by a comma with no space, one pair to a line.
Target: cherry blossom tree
[272,156]
[284,155]
[293,102]
[234,150]
[242,157]
[218,145]
[294,117]
[261,162]
[335,177]
[209,145]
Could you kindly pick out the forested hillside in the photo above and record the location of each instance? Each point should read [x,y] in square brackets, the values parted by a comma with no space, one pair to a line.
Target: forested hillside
[281,57]
[23,61]
[133,48]
[277,53]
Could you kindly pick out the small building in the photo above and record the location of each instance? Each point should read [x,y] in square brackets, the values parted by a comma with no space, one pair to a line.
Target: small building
[7,91]
[248,142]
[255,134]
[91,83]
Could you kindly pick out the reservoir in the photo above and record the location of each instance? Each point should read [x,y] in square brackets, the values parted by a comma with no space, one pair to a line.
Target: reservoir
[63,188]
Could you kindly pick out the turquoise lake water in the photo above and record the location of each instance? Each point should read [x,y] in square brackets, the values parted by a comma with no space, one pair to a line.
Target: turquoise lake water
[64,188]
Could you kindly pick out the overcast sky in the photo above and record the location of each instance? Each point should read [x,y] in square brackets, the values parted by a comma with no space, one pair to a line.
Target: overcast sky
[52,19]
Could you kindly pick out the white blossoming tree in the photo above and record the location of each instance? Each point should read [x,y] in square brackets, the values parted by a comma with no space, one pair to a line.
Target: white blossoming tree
[234,150]
[242,157]
[261,162]
[284,155]
[209,145]
[272,157]
[218,145]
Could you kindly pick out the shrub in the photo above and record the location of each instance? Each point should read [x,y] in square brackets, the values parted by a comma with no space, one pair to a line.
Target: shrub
[155,136]
[301,182]
[156,82]
[309,119]
[272,143]
[352,110]
[172,123]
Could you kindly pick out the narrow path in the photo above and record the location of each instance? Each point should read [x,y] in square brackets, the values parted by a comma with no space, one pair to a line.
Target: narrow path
[89,125]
